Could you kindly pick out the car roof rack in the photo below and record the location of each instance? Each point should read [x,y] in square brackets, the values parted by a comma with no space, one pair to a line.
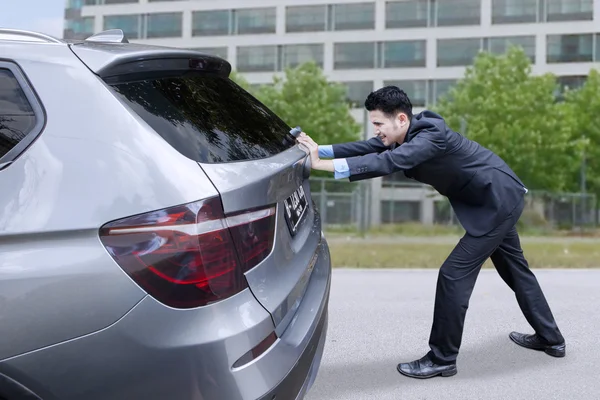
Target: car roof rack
[109,36]
[18,34]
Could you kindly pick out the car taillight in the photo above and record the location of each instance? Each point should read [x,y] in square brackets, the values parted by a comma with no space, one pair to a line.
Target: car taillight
[253,233]
[191,255]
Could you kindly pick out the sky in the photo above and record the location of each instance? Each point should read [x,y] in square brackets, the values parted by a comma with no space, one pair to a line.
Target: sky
[45,16]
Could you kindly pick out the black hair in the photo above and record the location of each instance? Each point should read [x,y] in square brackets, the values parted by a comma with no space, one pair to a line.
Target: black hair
[390,100]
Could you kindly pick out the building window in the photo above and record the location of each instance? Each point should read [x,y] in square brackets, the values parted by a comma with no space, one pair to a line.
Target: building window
[257,59]
[79,28]
[220,52]
[255,20]
[570,48]
[360,55]
[457,12]
[441,87]
[79,3]
[394,211]
[597,40]
[164,25]
[277,58]
[569,10]
[499,45]
[306,19]
[397,179]
[406,14]
[571,82]
[211,23]
[129,24]
[404,54]
[353,16]
[297,54]
[75,4]
[354,55]
[357,92]
[514,11]
[116,1]
[457,52]
[416,90]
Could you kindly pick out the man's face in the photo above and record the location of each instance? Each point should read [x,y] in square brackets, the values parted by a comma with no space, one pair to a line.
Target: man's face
[390,129]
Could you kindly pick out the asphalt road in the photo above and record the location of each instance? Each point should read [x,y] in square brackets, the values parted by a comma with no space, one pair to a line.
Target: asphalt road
[379,318]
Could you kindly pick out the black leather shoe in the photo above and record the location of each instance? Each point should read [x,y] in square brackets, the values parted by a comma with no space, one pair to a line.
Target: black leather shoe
[425,368]
[537,343]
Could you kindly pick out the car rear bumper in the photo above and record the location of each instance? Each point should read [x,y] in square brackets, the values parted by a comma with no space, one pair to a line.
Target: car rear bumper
[155,352]
[300,379]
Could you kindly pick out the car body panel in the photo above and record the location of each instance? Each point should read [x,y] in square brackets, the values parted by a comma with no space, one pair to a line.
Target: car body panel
[77,325]
[252,184]
[154,352]
[279,281]
[62,189]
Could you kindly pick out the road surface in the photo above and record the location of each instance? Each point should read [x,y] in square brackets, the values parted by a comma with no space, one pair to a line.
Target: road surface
[379,318]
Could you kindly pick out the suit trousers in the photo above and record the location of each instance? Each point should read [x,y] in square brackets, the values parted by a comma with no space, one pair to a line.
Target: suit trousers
[457,278]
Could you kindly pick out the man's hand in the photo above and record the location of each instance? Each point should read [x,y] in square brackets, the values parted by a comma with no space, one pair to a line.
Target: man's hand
[313,150]
[312,146]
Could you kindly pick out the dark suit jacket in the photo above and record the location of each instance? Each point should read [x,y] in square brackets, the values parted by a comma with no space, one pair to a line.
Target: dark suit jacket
[481,187]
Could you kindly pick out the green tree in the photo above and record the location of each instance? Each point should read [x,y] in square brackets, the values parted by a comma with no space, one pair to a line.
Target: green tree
[516,115]
[240,80]
[304,97]
[583,107]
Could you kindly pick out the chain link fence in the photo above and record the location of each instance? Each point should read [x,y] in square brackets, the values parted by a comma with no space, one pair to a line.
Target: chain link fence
[561,210]
[358,205]
[342,203]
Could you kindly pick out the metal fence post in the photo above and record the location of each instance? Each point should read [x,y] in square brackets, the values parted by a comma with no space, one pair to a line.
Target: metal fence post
[323,203]
[354,209]
[367,204]
[573,212]
[362,206]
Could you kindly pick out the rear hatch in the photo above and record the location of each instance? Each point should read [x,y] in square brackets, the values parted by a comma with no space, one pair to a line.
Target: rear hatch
[248,154]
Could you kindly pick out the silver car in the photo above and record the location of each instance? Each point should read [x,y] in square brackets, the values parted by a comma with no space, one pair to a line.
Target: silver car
[158,239]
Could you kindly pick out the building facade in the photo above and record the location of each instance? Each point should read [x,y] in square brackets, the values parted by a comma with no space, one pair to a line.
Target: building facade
[422,46]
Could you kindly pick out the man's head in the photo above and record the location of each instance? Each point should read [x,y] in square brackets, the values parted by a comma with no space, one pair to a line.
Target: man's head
[390,112]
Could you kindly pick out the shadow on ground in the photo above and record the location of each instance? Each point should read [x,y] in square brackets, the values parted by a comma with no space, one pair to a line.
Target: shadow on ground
[494,358]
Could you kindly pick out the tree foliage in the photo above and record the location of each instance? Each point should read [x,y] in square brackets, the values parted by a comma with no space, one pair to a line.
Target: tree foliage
[240,80]
[306,98]
[516,115]
[583,107]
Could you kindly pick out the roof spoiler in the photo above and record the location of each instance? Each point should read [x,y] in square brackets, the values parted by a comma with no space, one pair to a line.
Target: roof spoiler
[110,55]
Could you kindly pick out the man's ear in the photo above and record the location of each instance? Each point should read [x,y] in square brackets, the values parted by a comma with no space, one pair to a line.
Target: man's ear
[402,118]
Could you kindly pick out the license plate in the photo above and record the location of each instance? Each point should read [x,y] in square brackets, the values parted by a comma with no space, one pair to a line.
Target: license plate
[295,209]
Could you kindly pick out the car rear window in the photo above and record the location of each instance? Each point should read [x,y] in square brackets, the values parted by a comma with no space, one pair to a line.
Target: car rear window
[207,118]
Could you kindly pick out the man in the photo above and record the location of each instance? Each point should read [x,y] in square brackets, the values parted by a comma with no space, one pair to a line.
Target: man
[487,198]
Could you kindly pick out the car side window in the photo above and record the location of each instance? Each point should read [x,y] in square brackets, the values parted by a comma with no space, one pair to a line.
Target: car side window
[19,121]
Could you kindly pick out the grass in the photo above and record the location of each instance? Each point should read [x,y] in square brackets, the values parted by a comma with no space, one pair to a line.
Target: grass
[370,253]
[410,229]
[416,229]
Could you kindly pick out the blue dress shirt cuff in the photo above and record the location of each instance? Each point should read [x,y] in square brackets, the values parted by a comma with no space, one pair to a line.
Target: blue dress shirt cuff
[326,151]
[341,168]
